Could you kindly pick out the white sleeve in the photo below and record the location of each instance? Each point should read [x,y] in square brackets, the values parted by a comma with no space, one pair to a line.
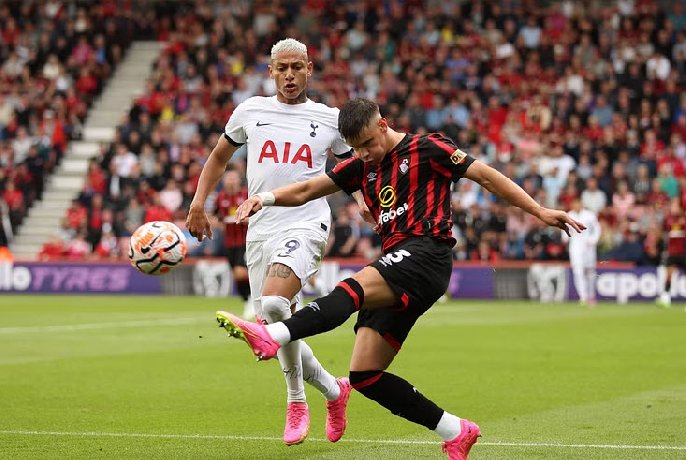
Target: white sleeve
[234,131]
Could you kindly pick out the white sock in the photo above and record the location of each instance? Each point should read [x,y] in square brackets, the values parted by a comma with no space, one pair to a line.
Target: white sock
[275,309]
[590,284]
[279,332]
[315,374]
[448,427]
[291,365]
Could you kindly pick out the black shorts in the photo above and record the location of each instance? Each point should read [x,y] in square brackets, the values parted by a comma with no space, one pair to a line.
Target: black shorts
[418,271]
[236,256]
[677,261]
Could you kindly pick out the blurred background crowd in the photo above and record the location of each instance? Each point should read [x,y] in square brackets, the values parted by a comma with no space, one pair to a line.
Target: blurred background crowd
[571,99]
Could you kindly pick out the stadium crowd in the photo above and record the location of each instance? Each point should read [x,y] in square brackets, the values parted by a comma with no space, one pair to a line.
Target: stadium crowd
[569,99]
[54,59]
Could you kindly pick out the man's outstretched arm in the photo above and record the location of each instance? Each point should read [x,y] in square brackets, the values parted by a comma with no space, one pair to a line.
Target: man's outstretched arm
[493,181]
[289,195]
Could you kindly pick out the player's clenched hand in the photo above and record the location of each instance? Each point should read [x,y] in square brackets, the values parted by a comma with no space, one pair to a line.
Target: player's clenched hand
[560,219]
[198,224]
[248,208]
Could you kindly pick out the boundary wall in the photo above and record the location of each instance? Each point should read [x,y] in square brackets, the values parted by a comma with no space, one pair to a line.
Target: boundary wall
[547,282]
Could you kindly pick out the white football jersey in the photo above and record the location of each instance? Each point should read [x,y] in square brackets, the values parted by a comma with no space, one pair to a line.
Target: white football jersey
[287,143]
[582,246]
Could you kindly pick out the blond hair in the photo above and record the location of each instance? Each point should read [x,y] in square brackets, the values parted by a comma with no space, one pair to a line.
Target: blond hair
[288,45]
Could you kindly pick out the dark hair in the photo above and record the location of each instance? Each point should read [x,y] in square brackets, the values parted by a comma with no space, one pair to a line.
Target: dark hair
[355,115]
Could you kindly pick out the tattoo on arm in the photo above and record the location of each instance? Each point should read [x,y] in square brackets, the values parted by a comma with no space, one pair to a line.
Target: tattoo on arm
[279,271]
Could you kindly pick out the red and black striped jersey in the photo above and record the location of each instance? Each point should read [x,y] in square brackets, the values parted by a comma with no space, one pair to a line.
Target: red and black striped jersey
[408,192]
[226,206]
[675,225]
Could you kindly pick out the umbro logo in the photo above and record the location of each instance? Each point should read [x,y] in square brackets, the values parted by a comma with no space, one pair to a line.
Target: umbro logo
[263,124]
[371,177]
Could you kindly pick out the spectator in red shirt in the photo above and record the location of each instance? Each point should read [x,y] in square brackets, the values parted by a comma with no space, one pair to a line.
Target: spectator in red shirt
[15,202]
[76,215]
[657,196]
[593,131]
[568,194]
[667,157]
[96,182]
[78,248]
[95,219]
[651,146]
[152,100]
[484,253]
[108,247]
[156,211]
[53,249]
[13,197]
[86,84]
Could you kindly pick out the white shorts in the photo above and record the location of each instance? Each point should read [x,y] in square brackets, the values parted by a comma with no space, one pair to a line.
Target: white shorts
[300,249]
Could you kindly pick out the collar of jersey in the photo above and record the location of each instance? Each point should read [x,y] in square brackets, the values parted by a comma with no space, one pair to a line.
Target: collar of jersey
[284,106]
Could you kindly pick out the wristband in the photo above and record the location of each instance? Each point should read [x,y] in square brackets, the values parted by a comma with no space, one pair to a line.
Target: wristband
[267,198]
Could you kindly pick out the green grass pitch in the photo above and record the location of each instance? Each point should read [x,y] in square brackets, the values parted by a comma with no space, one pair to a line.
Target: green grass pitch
[153,377]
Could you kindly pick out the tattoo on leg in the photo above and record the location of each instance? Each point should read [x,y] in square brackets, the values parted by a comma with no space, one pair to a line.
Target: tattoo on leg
[279,271]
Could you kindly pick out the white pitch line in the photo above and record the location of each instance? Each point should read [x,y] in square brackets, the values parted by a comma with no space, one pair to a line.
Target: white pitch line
[356,441]
[108,325]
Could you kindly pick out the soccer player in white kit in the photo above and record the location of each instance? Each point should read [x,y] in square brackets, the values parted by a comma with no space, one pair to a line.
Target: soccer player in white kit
[288,137]
[583,250]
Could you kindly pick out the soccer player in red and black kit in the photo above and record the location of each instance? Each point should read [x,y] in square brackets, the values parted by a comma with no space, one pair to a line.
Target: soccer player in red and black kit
[675,228]
[405,180]
[228,200]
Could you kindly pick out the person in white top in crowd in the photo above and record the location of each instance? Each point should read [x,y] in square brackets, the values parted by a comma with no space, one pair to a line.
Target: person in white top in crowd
[593,198]
[288,137]
[583,250]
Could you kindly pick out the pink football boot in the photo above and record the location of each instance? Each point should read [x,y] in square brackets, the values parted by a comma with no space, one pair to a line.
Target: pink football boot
[458,448]
[336,420]
[297,423]
[255,335]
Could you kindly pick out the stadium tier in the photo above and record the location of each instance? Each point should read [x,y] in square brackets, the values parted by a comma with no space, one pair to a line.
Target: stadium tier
[570,100]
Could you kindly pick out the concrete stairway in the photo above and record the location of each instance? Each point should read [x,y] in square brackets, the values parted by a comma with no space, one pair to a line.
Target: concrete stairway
[127,83]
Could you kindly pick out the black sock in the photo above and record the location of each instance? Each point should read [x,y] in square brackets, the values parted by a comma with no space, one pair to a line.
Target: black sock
[243,287]
[398,396]
[327,312]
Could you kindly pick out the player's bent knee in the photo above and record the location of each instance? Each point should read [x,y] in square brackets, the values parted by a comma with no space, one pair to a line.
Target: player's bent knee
[363,381]
[351,290]
[275,308]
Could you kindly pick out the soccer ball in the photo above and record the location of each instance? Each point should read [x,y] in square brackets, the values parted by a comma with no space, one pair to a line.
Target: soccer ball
[157,247]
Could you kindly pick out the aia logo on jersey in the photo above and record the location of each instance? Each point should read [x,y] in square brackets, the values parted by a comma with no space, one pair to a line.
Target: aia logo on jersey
[271,152]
